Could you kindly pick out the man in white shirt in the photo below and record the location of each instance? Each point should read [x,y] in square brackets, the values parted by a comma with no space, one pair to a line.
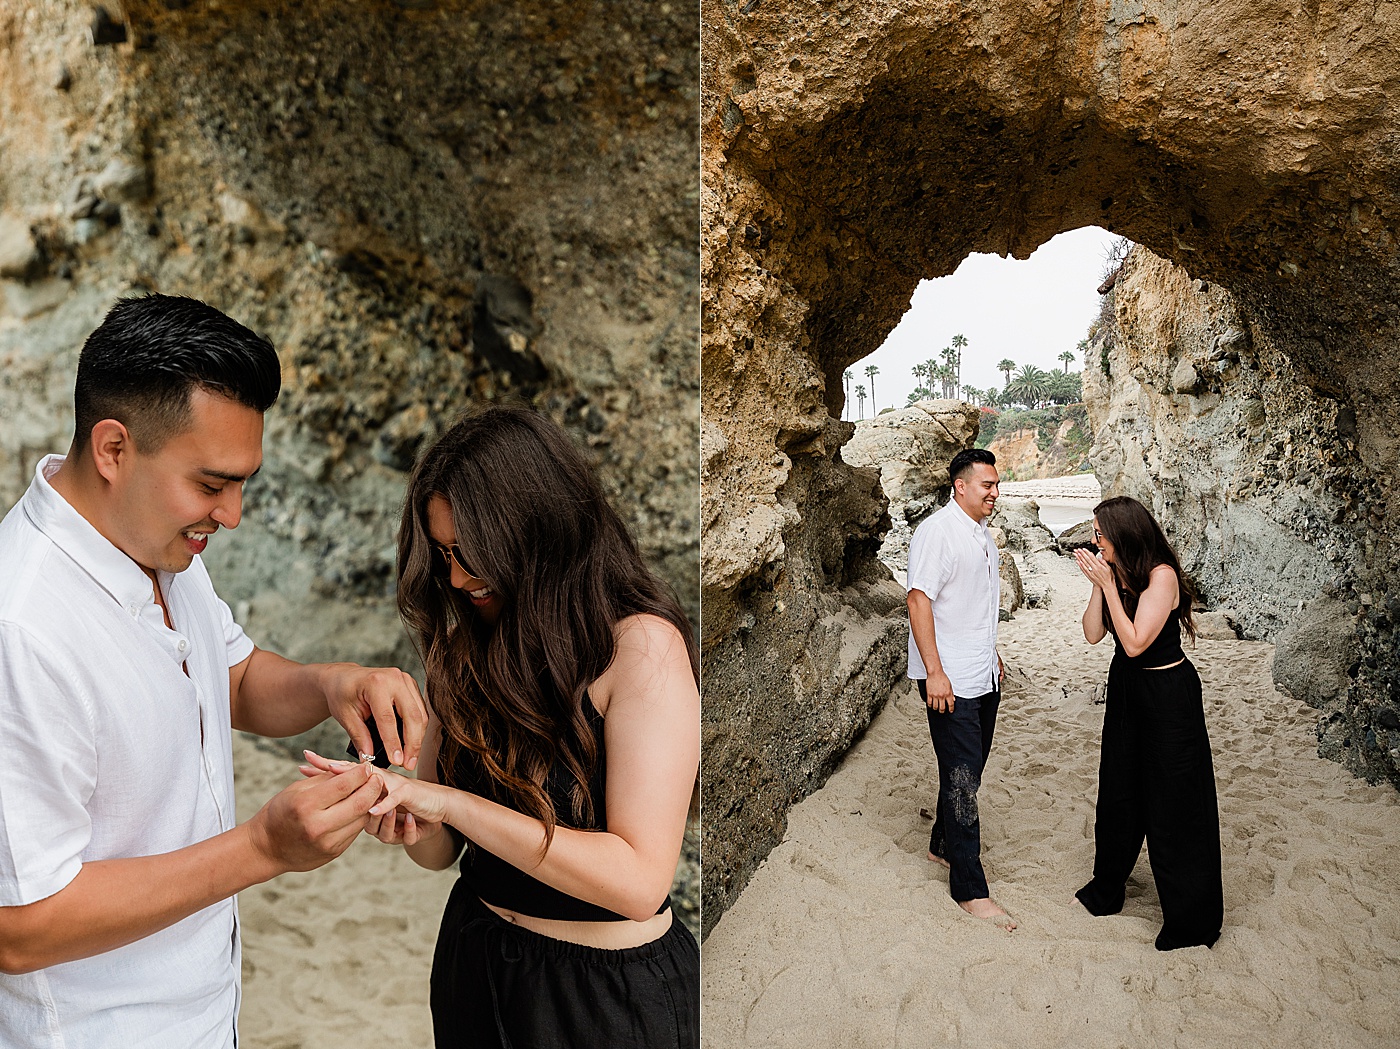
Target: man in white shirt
[122,677]
[954,599]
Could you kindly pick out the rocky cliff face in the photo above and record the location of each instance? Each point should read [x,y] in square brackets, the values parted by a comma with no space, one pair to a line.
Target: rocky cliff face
[850,150]
[1258,480]
[427,206]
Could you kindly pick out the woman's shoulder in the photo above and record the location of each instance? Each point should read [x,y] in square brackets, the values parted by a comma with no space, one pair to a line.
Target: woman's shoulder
[648,640]
[649,649]
[1164,575]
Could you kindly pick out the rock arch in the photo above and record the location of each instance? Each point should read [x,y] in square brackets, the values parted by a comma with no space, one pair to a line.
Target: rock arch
[851,150]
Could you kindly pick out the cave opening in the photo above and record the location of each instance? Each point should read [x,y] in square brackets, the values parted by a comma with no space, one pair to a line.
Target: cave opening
[1241,400]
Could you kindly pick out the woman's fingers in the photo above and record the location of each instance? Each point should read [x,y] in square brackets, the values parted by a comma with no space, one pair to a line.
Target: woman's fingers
[328,764]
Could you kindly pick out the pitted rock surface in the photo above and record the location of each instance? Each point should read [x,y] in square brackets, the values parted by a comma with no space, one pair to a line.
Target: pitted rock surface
[851,150]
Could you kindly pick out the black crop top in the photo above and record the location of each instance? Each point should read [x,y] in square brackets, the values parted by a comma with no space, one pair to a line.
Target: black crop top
[1164,650]
[507,886]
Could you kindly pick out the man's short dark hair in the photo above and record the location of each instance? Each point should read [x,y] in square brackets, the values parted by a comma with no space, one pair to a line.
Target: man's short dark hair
[149,353]
[962,462]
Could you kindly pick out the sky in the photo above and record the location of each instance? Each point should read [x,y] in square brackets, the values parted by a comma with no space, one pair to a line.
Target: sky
[1029,311]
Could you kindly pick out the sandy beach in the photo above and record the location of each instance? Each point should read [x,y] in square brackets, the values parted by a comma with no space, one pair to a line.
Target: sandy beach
[846,936]
[339,955]
[1063,501]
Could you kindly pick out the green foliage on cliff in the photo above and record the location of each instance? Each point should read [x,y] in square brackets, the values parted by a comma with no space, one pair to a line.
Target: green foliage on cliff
[1046,423]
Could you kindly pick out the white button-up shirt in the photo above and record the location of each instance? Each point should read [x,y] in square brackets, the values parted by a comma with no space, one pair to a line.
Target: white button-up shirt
[953,560]
[109,749]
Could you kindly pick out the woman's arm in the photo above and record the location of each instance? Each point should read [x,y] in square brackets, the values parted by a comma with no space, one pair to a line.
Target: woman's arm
[651,732]
[435,846]
[1154,606]
[1092,620]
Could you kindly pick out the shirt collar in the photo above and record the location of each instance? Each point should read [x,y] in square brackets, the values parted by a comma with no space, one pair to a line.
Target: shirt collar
[74,534]
[966,518]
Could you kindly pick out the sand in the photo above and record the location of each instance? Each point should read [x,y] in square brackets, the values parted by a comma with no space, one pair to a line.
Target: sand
[1063,501]
[341,955]
[338,955]
[846,936]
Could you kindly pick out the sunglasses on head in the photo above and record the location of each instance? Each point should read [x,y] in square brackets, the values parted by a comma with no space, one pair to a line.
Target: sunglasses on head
[451,553]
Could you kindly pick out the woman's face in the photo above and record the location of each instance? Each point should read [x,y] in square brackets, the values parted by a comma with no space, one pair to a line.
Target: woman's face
[443,533]
[1105,547]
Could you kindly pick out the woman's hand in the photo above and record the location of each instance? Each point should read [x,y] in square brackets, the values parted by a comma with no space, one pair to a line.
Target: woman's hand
[408,811]
[1095,569]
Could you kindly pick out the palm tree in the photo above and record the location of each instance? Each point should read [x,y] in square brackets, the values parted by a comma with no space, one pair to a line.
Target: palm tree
[971,394]
[860,399]
[847,380]
[872,371]
[1067,357]
[1063,388]
[959,341]
[1030,386]
[1008,366]
[943,374]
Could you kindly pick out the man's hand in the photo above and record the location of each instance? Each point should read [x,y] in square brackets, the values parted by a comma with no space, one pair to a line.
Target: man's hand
[388,821]
[310,823]
[355,694]
[940,692]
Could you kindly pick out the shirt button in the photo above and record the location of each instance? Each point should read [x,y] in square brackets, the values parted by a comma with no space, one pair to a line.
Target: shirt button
[183,645]
[134,610]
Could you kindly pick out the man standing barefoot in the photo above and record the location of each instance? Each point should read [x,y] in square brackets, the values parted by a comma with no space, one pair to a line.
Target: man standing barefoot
[954,597]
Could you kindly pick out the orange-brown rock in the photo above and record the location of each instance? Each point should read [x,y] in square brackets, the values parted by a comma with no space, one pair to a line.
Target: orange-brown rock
[851,150]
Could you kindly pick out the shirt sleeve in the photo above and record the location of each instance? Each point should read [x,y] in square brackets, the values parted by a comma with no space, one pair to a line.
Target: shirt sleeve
[929,564]
[48,773]
[240,645]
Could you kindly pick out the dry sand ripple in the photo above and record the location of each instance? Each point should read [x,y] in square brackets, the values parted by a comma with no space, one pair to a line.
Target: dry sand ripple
[846,936]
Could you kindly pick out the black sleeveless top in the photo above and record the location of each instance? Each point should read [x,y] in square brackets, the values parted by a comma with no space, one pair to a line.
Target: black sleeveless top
[505,885]
[1165,647]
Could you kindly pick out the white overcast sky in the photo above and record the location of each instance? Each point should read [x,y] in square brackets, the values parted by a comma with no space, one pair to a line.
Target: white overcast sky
[1029,311]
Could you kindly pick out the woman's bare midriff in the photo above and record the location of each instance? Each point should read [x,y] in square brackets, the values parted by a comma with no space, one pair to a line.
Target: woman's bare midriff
[1169,665]
[610,936]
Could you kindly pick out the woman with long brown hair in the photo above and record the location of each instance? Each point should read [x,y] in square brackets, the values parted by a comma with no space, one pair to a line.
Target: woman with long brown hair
[562,752]
[1156,778]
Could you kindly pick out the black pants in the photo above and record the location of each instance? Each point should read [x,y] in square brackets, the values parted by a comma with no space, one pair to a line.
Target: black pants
[1156,781]
[497,985]
[962,739]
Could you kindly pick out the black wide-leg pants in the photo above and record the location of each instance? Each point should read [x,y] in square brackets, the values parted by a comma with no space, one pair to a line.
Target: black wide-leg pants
[497,985]
[1157,782]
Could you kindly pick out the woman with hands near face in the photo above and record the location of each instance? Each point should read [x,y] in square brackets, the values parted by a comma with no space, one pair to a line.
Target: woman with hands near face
[1156,778]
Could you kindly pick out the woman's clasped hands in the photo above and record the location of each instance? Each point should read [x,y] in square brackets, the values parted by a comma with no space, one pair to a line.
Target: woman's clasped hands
[1095,568]
[408,810]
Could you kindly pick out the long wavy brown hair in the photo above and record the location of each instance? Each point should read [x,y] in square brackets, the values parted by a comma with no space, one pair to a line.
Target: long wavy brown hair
[531,521]
[1140,545]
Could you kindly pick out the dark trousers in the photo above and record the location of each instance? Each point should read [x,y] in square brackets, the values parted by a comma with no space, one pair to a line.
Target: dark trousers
[496,985]
[1157,782]
[962,739]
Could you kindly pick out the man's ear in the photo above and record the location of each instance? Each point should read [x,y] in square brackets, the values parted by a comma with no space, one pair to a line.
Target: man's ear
[111,448]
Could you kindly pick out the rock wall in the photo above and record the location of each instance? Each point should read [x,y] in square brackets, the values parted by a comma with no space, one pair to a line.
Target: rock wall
[427,206]
[850,150]
[1255,476]
[912,447]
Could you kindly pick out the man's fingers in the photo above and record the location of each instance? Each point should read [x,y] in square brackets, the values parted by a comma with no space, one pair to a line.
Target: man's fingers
[415,723]
[333,790]
[360,738]
[388,726]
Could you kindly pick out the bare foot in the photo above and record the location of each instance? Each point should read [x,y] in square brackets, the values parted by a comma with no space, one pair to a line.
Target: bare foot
[940,861]
[986,908]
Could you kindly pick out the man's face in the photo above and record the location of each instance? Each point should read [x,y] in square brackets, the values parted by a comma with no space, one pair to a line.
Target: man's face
[168,502]
[977,490]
